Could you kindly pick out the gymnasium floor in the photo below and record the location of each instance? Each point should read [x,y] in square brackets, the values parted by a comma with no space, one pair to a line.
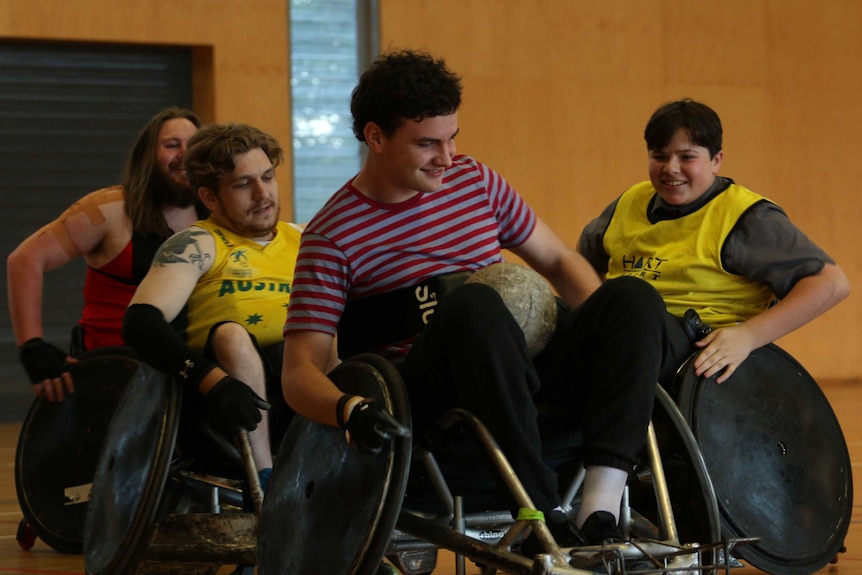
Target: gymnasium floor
[845,398]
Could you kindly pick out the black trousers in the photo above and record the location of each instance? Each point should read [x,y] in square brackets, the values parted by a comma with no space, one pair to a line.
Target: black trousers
[600,368]
[676,349]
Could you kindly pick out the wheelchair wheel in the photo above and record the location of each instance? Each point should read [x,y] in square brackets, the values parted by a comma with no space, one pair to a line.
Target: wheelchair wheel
[59,446]
[777,457]
[690,488]
[131,474]
[329,508]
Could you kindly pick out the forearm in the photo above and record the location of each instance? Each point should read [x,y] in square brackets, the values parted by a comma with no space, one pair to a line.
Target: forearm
[313,395]
[574,279]
[148,333]
[809,298]
[307,389]
[24,285]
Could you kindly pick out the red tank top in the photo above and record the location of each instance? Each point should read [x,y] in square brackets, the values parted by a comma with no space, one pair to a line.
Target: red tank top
[107,292]
[109,289]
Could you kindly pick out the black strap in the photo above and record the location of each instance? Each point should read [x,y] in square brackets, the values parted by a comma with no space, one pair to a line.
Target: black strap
[391,317]
[694,327]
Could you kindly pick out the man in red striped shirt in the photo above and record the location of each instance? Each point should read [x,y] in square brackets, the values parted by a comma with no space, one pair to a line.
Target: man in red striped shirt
[373,267]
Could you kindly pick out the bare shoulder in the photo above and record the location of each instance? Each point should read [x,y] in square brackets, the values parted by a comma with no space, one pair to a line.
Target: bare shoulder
[99,204]
[193,246]
[95,226]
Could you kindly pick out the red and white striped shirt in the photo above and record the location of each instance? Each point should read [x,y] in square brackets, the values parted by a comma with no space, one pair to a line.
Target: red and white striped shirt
[356,247]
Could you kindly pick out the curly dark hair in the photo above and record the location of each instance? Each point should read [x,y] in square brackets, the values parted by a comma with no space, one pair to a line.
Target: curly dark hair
[700,122]
[403,85]
[210,153]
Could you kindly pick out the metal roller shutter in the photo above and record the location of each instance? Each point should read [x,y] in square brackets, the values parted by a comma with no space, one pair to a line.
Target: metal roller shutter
[68,115]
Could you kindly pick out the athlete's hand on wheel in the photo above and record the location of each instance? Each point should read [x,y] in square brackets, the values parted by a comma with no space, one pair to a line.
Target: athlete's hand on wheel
[370,426]
[234,406]
[46,365]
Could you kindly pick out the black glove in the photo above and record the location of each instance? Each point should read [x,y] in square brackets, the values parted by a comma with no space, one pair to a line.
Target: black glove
[370,426]
[42,360]
[233,405]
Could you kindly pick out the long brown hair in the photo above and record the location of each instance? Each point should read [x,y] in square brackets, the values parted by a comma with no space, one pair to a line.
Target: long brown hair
[142,206]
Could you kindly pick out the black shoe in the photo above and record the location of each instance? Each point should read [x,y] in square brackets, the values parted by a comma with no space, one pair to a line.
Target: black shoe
[600,527]
[563,530]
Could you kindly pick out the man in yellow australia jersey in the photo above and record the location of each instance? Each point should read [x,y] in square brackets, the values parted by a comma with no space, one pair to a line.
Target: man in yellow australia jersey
[712,246]
[231,273]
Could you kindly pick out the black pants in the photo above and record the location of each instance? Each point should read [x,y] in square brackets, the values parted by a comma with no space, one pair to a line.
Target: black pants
[601,367]
[676,349]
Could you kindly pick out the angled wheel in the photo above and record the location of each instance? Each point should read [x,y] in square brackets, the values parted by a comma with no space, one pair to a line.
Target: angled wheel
[131,474]
[691,492]
[777,458]
[329,508]
[59,446]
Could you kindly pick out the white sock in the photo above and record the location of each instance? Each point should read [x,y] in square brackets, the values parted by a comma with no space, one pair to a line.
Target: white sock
[603,491]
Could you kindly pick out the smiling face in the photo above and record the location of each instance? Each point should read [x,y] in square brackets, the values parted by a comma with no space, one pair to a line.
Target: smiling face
[414,157]
[682,171]
[247,199]
[173,138]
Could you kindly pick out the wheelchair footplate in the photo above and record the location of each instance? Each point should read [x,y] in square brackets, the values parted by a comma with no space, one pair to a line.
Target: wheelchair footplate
[649,557]
[490,539]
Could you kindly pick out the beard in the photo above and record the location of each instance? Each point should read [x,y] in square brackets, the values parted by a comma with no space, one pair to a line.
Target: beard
[248,226]
[167,191]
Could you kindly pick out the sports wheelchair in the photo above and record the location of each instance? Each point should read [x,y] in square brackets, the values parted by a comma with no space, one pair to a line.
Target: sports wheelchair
[59,445]
[157,509]
[330,509]
[777,458]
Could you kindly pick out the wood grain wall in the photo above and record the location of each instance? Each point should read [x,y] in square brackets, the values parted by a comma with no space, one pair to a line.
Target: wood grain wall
[240,55]
[557,93]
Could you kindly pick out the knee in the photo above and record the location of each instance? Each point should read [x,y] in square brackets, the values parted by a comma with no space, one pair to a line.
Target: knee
[473,307]
[637,297]
[229,338]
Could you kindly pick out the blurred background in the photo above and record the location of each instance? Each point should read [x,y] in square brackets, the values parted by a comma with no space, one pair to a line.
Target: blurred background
[557,93]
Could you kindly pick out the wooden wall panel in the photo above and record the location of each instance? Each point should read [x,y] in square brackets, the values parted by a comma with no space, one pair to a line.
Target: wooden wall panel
[240,51]
[557,93]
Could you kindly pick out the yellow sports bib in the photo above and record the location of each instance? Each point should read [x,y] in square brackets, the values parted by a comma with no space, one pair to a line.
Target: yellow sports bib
[682,257]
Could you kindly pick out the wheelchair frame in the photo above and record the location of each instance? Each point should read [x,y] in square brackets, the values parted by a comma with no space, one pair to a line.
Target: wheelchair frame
[202,543]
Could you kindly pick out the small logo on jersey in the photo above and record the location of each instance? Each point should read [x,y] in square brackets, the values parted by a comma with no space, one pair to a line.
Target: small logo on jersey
[239,257]
[427,302]
[648,268]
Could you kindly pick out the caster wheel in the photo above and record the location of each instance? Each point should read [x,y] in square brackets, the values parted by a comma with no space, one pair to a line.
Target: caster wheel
[25,536]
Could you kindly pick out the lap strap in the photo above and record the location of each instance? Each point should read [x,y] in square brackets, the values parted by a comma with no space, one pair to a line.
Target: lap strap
[393,316]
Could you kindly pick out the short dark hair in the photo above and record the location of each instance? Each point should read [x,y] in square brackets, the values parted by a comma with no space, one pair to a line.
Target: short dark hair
[700,122]
[403,85]
[210,153]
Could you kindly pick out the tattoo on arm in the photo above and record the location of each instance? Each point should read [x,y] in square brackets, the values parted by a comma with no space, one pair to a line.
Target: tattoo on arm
[174,249]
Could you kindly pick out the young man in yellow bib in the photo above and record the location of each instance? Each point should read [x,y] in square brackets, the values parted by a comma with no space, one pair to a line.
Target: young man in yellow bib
[232,273]
[712,246]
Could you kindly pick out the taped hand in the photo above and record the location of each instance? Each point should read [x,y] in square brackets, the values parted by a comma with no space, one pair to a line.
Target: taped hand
[370,426]
[233,405]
